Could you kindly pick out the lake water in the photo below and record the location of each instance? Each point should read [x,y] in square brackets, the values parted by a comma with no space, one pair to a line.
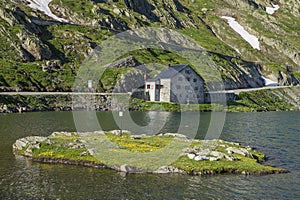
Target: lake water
[275,133]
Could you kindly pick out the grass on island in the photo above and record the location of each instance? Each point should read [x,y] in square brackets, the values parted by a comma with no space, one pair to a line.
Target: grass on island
[58,149]
[147,144]
[223,166]
[62,147]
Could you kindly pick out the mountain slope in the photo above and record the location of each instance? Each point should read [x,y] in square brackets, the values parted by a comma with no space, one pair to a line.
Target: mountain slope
[42,52]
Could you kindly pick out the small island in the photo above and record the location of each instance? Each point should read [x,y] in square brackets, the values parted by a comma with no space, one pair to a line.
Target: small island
[160,154]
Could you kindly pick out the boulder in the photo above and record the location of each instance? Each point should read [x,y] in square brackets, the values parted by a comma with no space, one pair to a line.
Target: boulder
[63,134]
[19,145]
[31,142]
[128,169]
[117,132]
[175,135]
[28,152]
[100,132]
[92,151]
[213,159]
[199,158]
[217,154]
[85,153]
[168,170]
[241,151]
[187,150]
[203,152]
[78,146]
[138,137]
[191,156]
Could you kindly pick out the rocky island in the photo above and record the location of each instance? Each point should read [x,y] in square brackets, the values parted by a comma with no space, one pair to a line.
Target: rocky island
[160,154]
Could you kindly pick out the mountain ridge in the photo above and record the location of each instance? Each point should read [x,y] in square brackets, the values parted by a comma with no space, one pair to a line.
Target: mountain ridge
[39,53]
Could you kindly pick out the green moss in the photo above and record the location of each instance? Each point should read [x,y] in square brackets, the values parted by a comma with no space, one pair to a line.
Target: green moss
[143,145]
[223,166]
[60,151]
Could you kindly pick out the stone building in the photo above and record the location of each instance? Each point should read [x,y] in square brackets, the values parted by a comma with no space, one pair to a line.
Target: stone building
[178,83]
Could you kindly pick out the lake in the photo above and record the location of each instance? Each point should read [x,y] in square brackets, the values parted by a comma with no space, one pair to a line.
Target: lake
[275,133]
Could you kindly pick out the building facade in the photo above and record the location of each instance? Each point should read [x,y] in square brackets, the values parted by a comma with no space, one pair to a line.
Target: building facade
[178,83]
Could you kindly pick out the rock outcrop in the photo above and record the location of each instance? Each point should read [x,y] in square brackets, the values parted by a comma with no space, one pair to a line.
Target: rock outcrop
[28,143]
[199,153]
[31,40]
[287,79]
[34,46]
[128,62]
[130,81]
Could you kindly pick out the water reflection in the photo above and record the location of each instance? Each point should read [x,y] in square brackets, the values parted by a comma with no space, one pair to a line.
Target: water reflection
[276,134]
[150,123]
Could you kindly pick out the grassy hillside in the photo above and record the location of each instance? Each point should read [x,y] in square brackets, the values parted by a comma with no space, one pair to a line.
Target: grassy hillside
[39,54]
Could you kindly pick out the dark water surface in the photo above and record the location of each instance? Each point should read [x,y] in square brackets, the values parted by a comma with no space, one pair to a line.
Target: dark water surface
[275,133]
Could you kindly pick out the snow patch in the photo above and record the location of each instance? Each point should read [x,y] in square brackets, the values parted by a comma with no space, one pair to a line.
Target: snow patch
[269,82]
[271,10]
[251,39]
[43,6]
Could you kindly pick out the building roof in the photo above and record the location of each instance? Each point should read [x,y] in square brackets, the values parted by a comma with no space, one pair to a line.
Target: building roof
[170,71]
[151,80]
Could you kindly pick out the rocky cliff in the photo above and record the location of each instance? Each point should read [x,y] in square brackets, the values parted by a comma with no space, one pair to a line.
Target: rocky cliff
[40,52]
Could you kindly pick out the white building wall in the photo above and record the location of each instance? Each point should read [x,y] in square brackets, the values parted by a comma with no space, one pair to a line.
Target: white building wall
[165,90]
[152,90]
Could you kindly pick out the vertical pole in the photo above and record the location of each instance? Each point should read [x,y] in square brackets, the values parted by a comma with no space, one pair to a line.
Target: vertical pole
[121,115]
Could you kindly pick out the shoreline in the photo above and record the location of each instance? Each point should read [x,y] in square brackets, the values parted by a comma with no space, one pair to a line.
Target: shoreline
[281,99]
[119,168]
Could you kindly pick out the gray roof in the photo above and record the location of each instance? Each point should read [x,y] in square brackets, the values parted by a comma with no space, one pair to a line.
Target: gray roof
[170,71]
[151,80]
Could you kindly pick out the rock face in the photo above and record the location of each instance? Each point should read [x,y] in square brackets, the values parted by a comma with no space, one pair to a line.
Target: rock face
[143,7]
[32,40]
[128,62]
[130,82]
[287,79]
[34,46]
[165,11]
[28,45]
